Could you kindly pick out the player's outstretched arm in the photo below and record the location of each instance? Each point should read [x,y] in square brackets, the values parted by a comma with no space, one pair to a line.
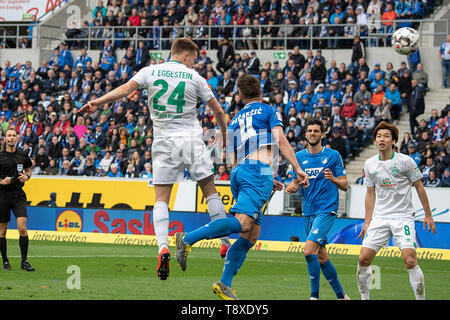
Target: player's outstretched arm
[428,220]
[369,206]
[288,153]
[114,95]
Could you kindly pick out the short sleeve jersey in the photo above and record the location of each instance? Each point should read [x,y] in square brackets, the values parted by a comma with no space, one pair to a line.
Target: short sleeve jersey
[173,91]
[392,180]
[322,195]
[11,164]
[251,128]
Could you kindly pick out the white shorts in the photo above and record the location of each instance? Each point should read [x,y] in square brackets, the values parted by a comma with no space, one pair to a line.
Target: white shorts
[381,230]
[172,155]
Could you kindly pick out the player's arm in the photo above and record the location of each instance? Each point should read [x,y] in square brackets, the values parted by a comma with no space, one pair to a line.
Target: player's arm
[219,115]
[341,182]
[369,206]
[288,153]
[114,95]
[428,220]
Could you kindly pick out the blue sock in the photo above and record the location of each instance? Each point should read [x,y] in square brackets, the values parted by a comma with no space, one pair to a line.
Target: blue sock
[215,229]
[331,275]
[235,258]
[314,274]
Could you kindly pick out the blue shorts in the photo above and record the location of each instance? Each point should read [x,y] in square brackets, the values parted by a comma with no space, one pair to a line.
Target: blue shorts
[317,227]
[251,186]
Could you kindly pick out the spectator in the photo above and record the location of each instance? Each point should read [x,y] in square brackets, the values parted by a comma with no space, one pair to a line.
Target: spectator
[349,109]
[365,124]
[222,173]
[414,154]
[416,104]
[114,172]
[405,142]
[106,161]
[428,167]
[445,180]
[337,143]
[147,172]
[444,56]
[66,169]
[432,180]
[421,76]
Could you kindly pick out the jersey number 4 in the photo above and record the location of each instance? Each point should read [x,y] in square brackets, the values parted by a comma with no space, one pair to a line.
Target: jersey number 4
[176,98]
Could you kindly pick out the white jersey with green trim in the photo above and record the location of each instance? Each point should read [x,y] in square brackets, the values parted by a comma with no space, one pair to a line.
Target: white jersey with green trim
[173,90]
[393,180]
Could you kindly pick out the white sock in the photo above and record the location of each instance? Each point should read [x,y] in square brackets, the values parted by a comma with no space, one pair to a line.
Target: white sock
[161,224]
[363,276]
[417,281]
[217,210]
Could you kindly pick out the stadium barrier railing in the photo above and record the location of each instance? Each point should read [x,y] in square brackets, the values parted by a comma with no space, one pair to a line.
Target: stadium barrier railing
[308,36]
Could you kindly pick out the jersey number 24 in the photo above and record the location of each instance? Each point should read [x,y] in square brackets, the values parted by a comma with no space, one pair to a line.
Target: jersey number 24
[176,98]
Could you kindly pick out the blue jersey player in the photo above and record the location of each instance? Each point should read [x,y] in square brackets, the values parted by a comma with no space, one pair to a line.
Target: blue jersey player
[326,173]
[254,136]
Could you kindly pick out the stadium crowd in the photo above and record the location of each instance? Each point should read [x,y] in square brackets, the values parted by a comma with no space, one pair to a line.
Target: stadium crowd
[256,24]
[349,97]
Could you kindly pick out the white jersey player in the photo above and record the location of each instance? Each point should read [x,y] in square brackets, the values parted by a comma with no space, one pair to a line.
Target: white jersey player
[173,89]
[389,177]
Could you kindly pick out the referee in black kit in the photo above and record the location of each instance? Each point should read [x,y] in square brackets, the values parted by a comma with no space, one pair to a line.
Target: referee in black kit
[15,170]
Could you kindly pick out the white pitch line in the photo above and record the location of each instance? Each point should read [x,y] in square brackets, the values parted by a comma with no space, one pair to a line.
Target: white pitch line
[200,257]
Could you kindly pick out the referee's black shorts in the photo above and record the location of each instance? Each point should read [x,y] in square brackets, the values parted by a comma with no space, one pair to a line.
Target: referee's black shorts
[15,201]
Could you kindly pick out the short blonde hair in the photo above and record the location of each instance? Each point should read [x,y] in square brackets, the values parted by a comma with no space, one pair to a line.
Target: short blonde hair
[181,45]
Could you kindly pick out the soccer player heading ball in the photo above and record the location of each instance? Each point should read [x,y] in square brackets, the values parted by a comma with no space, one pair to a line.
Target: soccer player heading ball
[172,89]
[389,209]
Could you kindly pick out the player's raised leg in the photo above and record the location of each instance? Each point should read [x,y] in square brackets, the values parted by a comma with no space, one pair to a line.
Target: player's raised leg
[235,258]
[216,208]
[161,226]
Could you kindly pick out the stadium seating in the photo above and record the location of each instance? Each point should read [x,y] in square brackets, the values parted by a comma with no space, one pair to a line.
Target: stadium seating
[350,97]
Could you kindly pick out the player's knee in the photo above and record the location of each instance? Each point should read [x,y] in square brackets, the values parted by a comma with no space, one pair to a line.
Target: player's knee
[22,231]
[309,251]
[3,229]
[322,259]
[246,226]
[364,261]
[410,262]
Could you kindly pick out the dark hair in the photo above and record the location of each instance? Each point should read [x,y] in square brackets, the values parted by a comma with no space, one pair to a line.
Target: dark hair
[314,121]
[383,125]
[181,45]
[249,86]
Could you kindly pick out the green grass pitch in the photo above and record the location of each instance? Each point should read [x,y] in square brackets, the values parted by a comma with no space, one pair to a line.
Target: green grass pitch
[110,272]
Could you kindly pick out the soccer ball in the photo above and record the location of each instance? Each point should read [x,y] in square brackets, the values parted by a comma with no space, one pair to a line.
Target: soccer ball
[405,40]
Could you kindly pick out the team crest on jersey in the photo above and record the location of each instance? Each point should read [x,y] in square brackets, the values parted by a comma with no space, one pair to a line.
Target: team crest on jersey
[324,160]
[313,172]
[394,170]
